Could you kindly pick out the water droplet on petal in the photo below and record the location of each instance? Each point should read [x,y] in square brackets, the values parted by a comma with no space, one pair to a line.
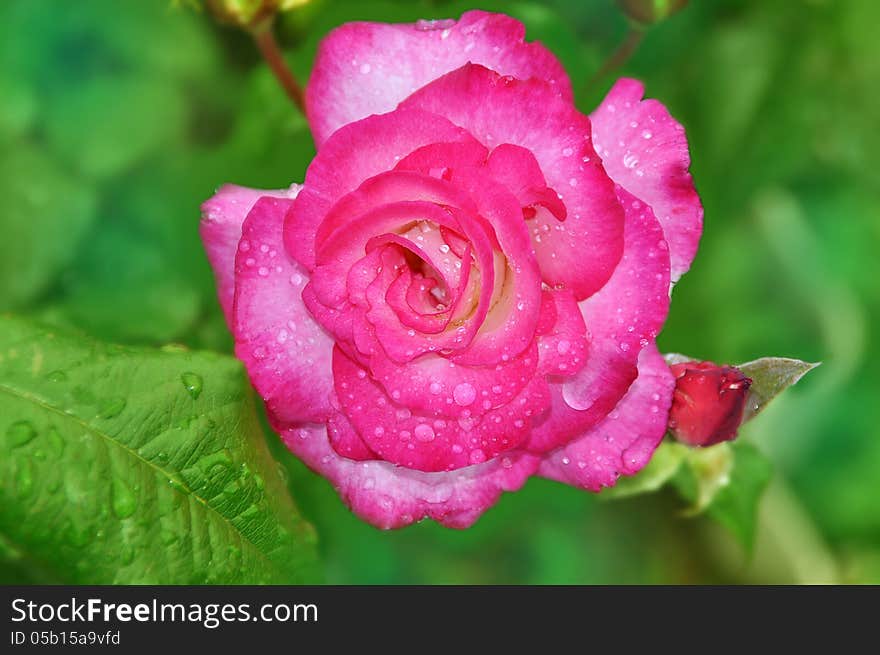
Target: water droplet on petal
[630,160]
[464,394]
[424,432]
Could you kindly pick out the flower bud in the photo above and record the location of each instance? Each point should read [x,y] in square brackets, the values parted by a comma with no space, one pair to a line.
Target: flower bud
[708,402]
[648,12]
[249,13]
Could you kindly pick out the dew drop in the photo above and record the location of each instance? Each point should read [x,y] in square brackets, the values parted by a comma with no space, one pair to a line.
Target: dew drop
[126,555]
[20,433]
[122,499]
[424,432]
[24,479]
[56,376]
[192,382]
[56,443]
[112,407]
[464,394]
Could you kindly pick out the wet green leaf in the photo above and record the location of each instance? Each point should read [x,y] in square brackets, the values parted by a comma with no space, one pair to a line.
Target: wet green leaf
[735,504]
[116,471]
[726,482]
[770,377]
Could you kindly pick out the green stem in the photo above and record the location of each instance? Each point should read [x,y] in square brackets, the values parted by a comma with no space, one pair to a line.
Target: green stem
[264,37]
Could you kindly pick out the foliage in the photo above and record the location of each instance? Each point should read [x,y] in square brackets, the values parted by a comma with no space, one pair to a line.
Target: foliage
[138,466]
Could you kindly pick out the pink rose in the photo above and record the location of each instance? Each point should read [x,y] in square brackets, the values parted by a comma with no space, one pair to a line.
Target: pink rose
[466,289]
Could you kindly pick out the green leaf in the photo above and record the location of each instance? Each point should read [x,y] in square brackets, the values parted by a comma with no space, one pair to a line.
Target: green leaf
[770,377]
[709,470]
[664,464]
[735,505]
[133,465]
[726,482]
[46,212]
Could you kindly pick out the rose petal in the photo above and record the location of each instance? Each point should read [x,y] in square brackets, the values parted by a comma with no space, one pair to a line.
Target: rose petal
[356,153]
[436,385]
[645,150]
[220,229]
[562,345]
[286,353]
[509,326]
[368,68]
[622,319]
[345,440]
[517,169]
[389,496]
[498,110]
[623,442]
[428,440]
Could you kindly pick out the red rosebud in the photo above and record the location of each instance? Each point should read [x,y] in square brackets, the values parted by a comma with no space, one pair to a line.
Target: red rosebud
[708,403]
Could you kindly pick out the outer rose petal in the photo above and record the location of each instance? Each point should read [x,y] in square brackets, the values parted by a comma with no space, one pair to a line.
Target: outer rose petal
[623,442]
[368,68]
[645,150]
[390,496]
[498,110]
[622,319]
[286,353]
[222,216]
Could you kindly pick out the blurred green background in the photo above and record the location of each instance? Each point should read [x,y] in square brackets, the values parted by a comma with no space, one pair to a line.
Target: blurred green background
[118,119]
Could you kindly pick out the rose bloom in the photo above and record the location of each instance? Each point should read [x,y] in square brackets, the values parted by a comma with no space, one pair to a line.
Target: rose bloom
[466,288]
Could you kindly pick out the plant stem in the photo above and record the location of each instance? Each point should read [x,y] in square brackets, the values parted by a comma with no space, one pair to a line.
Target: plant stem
[264,37]
[621,55]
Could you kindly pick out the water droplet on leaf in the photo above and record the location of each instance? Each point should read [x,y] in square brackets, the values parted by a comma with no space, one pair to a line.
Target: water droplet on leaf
[20,433]
[192,382]
[122,499]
